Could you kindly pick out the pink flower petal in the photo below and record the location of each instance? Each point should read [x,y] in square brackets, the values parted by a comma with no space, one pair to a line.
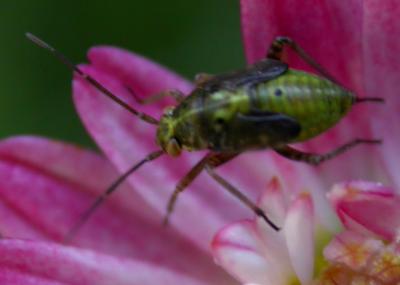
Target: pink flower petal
[367,206]
[250,257]
[299,233]
[70,163]
[382,76]
[77,266]
[16,277]
[39,176]
[257,17]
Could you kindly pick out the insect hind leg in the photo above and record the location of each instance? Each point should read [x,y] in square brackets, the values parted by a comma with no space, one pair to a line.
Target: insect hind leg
[275,51]
[369,99]
[316,159]
[209,162]
[235,192]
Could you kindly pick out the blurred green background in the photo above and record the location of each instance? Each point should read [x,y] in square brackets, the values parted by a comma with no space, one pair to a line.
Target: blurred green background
[187,36]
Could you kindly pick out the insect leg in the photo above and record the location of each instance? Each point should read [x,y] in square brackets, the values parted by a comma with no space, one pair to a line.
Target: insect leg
[316,159]
[212,159]
[276,49]
[100,199]
[174,93]
[235,192]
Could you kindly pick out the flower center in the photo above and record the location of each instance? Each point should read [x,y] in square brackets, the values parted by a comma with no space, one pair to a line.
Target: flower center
[361,264]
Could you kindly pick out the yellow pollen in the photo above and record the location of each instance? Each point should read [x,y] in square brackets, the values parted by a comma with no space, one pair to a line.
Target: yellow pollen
[387,267]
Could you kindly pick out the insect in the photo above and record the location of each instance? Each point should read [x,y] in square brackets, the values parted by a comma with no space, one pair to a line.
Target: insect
[265,105]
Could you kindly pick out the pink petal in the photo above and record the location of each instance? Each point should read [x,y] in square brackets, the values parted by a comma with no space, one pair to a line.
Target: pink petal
[70,163]
[367,206]
[263,20]
[299,233]
[16,277]
[250,257]
[45,186]
[58,264]
[382,76]
[257,31]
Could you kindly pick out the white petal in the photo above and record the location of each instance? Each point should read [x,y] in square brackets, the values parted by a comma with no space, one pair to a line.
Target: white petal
[240,250]
[299,234]
[273,202]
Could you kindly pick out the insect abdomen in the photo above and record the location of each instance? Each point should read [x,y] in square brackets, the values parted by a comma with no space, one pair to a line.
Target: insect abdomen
[315,102]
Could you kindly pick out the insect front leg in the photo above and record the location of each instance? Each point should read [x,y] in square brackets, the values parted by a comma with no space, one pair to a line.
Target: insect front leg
[316,159]
[235,192]
[100,199]
[214,159]
[174,93]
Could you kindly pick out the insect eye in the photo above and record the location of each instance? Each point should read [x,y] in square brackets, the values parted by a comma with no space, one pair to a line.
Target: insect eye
[278,92]
[168,111]
[173,147]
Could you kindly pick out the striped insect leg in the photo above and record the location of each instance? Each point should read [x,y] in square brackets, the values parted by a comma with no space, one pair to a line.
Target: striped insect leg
[275,51]
[243,198]
[213,159]
[316,159]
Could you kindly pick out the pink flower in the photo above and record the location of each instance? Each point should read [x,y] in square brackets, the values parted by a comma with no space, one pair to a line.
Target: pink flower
[45,185]
[367,252]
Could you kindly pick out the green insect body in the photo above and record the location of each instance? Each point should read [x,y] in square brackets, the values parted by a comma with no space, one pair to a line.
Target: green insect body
[265,105]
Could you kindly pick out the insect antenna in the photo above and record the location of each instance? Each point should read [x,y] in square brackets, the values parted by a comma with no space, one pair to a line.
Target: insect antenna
[91,80]
[100,199]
